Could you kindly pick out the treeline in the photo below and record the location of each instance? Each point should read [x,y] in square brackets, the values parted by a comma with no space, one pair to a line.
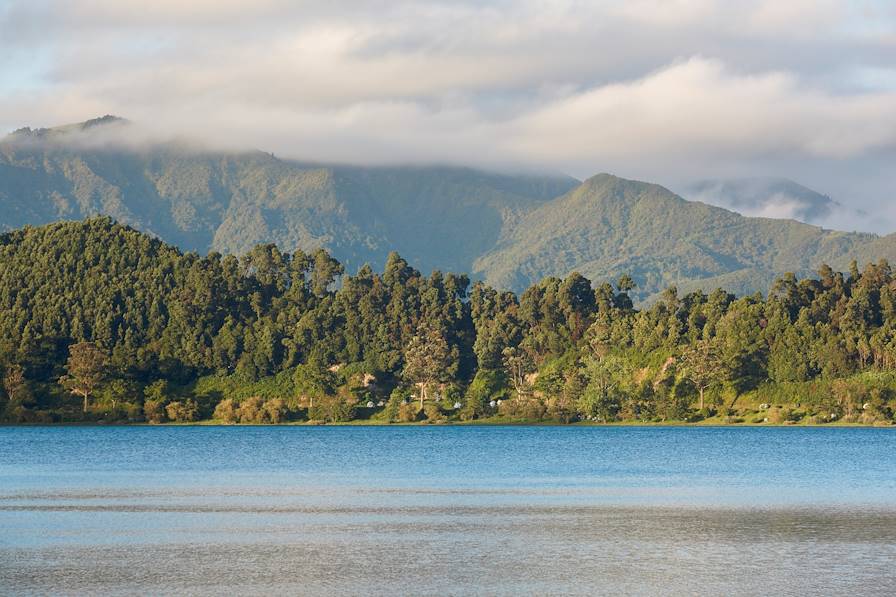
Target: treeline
[101,322]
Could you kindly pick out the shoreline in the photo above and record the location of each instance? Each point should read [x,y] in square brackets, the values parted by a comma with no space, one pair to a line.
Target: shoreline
[487,423]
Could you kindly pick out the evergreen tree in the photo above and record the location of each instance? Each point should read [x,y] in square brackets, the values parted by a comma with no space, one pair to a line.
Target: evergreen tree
[86,369]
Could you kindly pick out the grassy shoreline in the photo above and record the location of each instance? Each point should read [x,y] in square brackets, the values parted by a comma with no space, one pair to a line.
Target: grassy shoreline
[490,422]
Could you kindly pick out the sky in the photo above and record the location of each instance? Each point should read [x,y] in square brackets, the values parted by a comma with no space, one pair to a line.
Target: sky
[669,91]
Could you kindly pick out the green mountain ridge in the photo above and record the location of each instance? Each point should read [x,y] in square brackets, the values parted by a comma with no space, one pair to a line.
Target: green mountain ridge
[608,226]
[508,229]
[443,217]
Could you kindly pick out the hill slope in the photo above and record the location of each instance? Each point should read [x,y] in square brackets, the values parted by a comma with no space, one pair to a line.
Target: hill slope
[608,226]
[441,217]
[511,230]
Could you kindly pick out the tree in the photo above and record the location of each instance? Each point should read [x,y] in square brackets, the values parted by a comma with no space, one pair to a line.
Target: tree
[576,299]
[154,411]
[574,385]
[599,339]
[16,389]
[14,382]
[275,410]
[226,411]
[625,285]
[426,358]
[183,411]
[86,370]
[601,396]
[314,379]
[518,364]
[159,390]
[704,366]
[332,409]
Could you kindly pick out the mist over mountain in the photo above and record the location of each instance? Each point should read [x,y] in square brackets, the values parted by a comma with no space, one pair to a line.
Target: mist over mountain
[764,197]
[201,200]
[772,197]
[508,229]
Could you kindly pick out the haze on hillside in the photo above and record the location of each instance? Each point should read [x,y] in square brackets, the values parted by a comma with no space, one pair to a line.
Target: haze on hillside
[799,90]
[510,230]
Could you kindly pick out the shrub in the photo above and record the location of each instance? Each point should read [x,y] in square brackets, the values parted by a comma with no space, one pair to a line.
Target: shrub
[250,410]
[777,415]
[331,409]
[486,386]
[154,411]
[275,410]
[183,411]
[158,390]
[408,412]
[434,413]
[451,394]
[561,408]
[396,398]
[226,411]
[133,411]
[525,408]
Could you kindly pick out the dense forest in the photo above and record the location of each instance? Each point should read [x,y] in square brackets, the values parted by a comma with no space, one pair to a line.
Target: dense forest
[510,230]
[101,323]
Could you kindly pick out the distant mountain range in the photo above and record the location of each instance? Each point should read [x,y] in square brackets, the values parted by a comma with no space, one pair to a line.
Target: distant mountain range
[608,226]
[509,229]
[772,198]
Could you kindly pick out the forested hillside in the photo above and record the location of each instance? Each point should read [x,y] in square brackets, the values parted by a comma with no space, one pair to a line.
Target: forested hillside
[608,226]
[200,200]
[100,322]
[509,230]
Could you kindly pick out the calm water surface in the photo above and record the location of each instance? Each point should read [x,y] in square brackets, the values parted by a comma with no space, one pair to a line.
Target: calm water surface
[447,510]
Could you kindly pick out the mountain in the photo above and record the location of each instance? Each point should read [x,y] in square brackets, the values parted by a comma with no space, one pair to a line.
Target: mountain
[202,200]
[768,197]
[608,226]
[509,229]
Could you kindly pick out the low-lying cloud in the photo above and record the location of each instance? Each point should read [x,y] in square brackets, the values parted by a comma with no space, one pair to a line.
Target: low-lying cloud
[669,91]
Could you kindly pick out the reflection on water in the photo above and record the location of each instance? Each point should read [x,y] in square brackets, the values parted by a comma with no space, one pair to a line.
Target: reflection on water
[675,512]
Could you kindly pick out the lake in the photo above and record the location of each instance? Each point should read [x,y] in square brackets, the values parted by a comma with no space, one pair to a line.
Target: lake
[447,510]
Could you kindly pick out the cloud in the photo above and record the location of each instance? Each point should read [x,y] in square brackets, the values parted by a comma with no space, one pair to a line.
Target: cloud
[702,108]
[663,90]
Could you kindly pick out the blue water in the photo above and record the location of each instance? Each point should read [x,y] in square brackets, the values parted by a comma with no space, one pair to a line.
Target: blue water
[447,510]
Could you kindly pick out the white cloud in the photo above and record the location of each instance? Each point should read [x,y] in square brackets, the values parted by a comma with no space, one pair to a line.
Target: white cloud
[702,109]
[652,89]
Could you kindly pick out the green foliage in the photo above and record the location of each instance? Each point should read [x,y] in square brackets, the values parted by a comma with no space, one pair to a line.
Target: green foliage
[158,391]
[255,410]
[609,227]
[427,358]
[201,201]
[606,228]
[398,396]
[213,387]
[409,412]
[154,411]
[487,385]
[86,369]
[227,411]
[313,380]
[182,411]
[138,330]
[433,413]
[331,409]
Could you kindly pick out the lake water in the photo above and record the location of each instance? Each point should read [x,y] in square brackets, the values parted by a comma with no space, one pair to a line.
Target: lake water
[447,510]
